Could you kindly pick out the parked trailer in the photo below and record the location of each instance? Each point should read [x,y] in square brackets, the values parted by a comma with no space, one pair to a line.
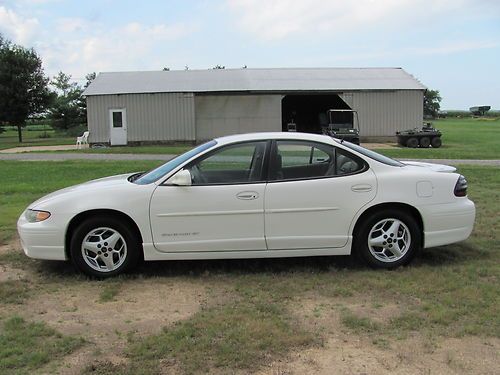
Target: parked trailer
[424,137]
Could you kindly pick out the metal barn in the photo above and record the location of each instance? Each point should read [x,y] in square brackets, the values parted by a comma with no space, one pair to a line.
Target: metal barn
[196,105]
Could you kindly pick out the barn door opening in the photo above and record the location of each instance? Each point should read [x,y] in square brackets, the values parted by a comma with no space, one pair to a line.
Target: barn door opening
[308,113]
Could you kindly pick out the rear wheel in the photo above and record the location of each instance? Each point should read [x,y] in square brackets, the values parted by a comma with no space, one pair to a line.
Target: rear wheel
[388,239]
[104,247]
[436,142]
[412,142]
[425,142]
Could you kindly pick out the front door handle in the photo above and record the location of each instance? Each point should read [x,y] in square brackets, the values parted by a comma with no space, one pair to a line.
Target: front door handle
[247,195]
[361,188]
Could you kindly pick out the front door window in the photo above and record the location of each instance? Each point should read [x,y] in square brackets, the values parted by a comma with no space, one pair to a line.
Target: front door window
[235,164]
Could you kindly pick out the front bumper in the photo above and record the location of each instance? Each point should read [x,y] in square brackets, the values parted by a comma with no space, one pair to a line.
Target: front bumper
[43,240]
[448,223]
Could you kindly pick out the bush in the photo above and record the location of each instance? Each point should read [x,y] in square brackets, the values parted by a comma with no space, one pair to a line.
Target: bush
[74,131]
[44,135]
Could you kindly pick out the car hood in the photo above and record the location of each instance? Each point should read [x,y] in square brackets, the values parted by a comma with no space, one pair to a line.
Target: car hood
[431,166]
[86,186]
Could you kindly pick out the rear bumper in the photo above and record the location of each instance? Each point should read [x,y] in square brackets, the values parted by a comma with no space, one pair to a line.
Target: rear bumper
[41,240]
[448,223]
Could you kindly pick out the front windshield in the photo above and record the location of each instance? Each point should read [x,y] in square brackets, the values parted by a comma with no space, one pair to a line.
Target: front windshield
[373,155]
[163,169]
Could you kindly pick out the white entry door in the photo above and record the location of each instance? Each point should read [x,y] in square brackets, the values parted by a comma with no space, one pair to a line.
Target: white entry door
[118,127]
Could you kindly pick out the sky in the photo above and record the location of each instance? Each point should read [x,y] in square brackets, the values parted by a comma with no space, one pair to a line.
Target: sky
[449,45]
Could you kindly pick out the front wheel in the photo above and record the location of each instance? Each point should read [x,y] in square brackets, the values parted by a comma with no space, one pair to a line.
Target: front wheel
[104,247]
[412,142]
[388,239]
[425,142]
[436,142]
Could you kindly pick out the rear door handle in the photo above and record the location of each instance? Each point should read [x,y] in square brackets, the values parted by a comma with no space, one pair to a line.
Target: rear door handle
[361,188]
[247,195]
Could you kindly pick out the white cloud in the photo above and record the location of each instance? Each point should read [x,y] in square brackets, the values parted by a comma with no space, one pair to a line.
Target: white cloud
[86,47]
[71,24]
[443,48]
[78,46]
[278,19]
[157,32]
[21,30]
[454,47]
[39,2]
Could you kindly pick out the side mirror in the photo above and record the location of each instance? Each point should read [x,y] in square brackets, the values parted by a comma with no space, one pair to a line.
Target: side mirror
[181,178]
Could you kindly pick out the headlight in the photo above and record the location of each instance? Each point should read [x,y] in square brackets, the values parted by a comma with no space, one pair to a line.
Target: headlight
[34,216]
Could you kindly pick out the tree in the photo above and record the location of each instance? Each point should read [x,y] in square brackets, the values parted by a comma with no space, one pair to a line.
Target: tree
[432,103]
[23,85]
[90,77]
[68,108]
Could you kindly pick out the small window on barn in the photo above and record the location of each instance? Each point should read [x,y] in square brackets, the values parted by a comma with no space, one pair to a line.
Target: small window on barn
[117,119]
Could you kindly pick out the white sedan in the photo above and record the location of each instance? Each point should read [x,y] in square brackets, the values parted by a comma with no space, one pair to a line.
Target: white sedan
[254,196]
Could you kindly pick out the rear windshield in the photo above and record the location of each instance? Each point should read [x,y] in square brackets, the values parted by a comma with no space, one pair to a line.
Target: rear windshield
[373,155]
[162,170]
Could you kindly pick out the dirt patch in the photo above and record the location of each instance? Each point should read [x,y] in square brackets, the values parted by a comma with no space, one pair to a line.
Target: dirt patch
[16,150]
[325,313]
[411,356]
[8,273]
[346,353]
[142,306]
[13,245]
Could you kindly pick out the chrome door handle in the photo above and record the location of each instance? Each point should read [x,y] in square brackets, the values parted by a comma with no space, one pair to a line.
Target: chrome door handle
[361,188]
[247,195]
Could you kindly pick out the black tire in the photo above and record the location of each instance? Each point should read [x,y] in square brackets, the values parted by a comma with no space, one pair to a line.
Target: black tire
[436,142]
[412,142]
[362,234]
[425,142]
[131,241]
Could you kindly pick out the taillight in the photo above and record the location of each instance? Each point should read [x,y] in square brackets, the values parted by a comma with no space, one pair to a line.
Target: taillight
[461,187]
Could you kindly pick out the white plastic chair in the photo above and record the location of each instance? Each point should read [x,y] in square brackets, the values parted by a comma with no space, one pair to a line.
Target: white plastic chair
[82,140]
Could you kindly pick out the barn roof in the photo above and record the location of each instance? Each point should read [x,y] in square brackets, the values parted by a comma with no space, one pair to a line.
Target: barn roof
[253,80]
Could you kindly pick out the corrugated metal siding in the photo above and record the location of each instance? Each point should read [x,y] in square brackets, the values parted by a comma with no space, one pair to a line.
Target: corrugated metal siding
[381,113]
[188,117]
[150,117]
[219,115]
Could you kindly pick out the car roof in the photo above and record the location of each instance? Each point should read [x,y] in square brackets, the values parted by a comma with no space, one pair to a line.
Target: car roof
[274,135]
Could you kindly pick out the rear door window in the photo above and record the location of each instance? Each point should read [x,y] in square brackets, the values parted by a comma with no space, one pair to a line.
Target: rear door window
[295,160]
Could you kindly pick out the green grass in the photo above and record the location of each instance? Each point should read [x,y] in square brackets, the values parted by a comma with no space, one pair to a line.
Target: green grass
[8,139]
[156,149]
[13,291]
[24,182]
[359,324]
[26,347]
[234,336]
[462,139]
[109,291]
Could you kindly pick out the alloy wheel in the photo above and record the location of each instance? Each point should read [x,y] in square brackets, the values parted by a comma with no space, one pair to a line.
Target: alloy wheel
[389,240]
[104,249]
